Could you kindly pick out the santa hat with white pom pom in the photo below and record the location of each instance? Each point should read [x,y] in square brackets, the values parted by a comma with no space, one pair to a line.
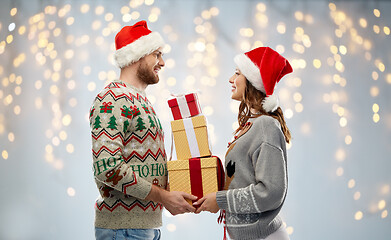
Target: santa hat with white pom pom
[263,67]
[134,42]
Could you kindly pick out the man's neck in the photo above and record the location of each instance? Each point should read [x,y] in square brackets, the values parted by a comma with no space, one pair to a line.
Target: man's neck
[129,75]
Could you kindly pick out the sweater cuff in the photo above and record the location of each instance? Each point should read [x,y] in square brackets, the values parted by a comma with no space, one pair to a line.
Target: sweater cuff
[140,190]
[221,199]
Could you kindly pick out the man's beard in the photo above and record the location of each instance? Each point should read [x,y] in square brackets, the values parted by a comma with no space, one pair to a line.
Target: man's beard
[146,75]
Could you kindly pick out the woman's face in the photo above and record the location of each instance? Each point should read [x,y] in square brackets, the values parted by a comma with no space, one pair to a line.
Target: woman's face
[238,83]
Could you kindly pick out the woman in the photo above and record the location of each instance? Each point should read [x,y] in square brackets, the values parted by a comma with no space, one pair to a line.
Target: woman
[256,170]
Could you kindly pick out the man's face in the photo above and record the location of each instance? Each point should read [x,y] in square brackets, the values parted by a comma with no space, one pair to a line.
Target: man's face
[149,67]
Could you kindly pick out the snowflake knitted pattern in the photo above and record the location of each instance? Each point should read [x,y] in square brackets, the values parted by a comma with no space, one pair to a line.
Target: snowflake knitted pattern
[128,157]
[256,180]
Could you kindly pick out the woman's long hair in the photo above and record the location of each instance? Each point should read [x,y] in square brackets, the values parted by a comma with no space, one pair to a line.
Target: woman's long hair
[252,99]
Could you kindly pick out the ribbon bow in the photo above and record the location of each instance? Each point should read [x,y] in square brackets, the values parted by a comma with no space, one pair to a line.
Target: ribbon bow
[106,104]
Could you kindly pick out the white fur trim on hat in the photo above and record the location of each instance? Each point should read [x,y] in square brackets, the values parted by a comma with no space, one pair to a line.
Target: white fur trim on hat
[250,71]
[270,103]
[136,50]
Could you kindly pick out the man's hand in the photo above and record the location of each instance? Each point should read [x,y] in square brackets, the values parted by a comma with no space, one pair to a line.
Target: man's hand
[208,203]
[174,202]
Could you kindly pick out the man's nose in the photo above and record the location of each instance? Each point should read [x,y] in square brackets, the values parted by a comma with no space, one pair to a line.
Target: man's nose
[161,62]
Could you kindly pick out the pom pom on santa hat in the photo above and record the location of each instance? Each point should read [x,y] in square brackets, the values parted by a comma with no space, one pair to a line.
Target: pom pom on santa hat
[263,67]
[134,42]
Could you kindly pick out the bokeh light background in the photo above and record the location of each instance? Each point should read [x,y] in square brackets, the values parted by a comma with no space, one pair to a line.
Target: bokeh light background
[56,55]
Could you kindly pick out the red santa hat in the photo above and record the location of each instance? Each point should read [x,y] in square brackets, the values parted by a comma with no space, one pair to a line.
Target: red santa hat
[263,67]
[134,42]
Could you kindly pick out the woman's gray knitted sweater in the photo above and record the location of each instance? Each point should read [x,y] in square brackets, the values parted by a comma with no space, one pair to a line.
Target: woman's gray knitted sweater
[256,180]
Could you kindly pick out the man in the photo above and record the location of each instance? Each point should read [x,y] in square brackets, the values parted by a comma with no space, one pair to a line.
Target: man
[129,159]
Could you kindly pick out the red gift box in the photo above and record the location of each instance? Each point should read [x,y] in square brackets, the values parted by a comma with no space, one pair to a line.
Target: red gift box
[184,106]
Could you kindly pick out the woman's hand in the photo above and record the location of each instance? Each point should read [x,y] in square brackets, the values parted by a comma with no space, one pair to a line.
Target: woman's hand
[207,203]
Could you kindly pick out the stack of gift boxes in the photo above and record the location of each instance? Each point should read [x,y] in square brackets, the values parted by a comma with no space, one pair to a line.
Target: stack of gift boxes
[195,171]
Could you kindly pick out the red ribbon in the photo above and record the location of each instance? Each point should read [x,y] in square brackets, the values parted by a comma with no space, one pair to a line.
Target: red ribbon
[196,177]
[220,220]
